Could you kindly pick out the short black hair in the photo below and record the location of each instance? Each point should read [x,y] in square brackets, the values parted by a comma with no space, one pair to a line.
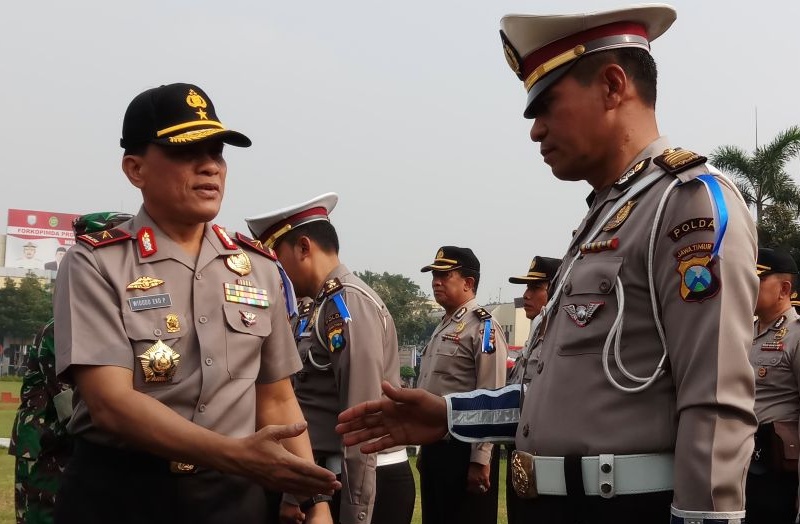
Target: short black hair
[466,272]
[637,63]
[321,232]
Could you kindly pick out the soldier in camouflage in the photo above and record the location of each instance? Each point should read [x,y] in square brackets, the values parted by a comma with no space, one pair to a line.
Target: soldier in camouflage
[39,439]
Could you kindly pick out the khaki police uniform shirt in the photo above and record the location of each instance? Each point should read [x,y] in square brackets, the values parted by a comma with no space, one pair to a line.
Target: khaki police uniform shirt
[777,368]
[368,357]
[100,322]
[454,361]
[702,409]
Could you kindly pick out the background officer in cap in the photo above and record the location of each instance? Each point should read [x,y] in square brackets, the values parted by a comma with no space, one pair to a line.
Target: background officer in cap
[348,344]
[468,350]
[642,403]
[534,298]
[772,479]
[176,338]
[537,281]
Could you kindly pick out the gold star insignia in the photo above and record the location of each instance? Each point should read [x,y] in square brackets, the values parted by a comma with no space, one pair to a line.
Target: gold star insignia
[202,114]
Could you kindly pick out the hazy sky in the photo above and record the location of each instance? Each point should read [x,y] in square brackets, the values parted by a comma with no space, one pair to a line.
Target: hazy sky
[407,109]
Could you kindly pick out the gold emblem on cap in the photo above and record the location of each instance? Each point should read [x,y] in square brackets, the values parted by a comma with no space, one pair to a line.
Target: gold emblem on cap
[159,363]
[196,101]
[144,283]
[173,323]
[239,263]
[511,57]
[440,254]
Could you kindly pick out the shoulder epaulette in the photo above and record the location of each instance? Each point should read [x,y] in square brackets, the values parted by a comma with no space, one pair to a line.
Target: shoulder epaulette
[304,308]
[104,238]
[483,314]
[677,160]
[256,246]
[331,287]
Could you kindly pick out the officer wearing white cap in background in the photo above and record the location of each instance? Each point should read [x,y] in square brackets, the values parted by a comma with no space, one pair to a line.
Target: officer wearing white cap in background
[175,335]
[641,409]
[348,344]
[772,479]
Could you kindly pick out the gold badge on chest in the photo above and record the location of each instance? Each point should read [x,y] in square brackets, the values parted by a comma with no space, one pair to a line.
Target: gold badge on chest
[144,283]
[173,323]
[239,264]
[159,363]
[621,216]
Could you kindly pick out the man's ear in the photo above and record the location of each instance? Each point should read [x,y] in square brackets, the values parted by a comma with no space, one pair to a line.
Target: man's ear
[617,85]
[469,282]
[132,167]
[303,244]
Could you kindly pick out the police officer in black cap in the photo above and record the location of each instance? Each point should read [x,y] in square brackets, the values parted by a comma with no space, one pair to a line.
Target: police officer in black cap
[772,478]
[175,335]
[458,481]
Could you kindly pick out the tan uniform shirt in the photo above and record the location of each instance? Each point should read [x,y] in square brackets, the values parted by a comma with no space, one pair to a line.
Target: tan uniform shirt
[702,409]
[100,322]
[777,368]
[454,361]
[364,354]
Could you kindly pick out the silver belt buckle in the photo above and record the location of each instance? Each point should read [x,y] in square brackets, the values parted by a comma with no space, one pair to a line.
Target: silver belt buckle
[523,475]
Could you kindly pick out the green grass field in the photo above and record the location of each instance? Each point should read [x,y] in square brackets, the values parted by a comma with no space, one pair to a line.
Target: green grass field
[7,413]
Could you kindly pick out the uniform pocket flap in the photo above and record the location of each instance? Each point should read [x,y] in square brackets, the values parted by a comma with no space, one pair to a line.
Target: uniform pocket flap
[144,325]
[595,276]
[244,319]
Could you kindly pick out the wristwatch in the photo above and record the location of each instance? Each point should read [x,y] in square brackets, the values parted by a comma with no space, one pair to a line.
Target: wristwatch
[310,502]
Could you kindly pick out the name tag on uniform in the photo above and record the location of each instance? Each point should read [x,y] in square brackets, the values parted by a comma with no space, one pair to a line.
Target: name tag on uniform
[150,302]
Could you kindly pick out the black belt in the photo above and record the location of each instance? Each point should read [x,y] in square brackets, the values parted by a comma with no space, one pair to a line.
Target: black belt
[128,460]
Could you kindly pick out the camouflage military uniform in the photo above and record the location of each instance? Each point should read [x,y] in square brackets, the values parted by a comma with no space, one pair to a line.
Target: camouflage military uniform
[39,441]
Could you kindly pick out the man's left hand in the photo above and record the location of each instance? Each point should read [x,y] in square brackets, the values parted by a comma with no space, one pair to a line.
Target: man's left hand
[478,478]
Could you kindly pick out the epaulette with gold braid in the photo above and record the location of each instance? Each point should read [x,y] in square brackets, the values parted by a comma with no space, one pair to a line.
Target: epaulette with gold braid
[677,160]
[257,246]
[483,314]
[104,238]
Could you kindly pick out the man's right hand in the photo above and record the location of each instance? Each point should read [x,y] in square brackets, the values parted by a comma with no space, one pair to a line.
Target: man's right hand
[267,462]
[404,417]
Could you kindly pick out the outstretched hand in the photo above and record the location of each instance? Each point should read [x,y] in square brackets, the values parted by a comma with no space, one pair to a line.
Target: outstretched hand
[403,417]
[275,468]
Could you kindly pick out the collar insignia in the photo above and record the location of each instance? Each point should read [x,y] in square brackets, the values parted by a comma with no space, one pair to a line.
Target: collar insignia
[144,283]
[582,314]
[147,242]
[632,172]
[224,238]
[460,313]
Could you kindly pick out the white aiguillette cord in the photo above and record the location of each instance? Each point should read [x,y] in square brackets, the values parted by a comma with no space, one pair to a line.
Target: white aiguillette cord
[632,191]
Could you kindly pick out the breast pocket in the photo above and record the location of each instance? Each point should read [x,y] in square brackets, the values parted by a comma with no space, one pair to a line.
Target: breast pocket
[158,347]
[246,330]
[588,305]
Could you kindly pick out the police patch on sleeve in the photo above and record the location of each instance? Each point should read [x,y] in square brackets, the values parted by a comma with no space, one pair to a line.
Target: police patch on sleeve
[696,270]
